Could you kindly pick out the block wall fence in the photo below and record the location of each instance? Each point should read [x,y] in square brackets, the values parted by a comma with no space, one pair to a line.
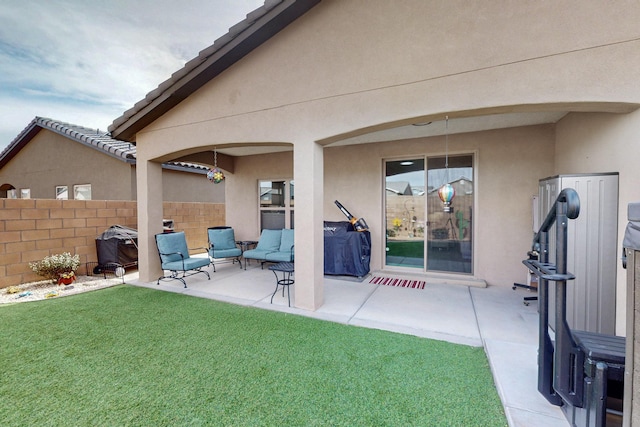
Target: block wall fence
[31,229]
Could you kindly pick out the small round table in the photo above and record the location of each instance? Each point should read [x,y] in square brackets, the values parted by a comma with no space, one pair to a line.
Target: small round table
[287,271]
[244,245]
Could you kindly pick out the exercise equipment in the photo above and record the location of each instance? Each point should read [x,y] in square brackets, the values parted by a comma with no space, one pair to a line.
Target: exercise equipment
[582,372]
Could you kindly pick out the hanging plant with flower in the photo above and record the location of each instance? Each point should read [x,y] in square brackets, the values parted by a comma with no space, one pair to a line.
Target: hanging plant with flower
[57,267]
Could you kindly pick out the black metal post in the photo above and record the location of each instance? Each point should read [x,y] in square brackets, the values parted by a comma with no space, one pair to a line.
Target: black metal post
[568,357]
[545,345]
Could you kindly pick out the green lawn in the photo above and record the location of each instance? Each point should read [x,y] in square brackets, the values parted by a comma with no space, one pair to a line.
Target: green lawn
[409,249]
[135,356]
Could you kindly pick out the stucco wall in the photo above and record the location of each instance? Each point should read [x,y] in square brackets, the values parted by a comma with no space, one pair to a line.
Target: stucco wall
[591,143]
[242,188]
[349,67]
[508,165]
[354,175]
[190,187]
[378,60]
[50,159]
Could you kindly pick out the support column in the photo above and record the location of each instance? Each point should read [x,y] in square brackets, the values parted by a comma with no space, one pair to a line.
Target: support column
[308,172]
[149,189]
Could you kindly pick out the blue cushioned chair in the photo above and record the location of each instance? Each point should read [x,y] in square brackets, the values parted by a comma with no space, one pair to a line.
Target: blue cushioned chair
[285,251]
[273,246]
[174,257]
[269,242]
[222,244]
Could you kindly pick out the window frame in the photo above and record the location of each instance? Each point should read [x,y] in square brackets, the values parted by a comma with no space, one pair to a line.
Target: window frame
[77,187]
[65,189]
[287,207]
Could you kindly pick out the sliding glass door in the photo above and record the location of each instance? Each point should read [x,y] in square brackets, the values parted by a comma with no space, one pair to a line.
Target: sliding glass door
[449,241]
[419,233]
[405,213]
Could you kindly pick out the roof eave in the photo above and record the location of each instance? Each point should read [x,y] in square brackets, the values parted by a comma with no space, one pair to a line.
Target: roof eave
[211,64]
[19,142]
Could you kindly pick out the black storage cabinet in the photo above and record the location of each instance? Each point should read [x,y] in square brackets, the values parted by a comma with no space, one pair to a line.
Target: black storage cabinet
[117,245]
[346,252]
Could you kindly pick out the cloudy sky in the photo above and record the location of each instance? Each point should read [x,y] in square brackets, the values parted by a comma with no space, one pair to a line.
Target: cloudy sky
[87,61]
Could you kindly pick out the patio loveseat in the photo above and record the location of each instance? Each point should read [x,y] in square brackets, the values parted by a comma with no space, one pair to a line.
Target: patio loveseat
[273,246]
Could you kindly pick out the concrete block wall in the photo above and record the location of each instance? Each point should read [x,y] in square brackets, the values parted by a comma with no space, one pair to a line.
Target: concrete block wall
[31,229]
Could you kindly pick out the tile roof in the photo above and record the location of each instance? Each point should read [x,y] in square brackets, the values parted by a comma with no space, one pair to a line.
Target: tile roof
[259,26]
[93,138]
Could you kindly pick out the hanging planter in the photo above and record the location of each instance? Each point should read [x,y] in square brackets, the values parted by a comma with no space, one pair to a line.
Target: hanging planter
[215,174]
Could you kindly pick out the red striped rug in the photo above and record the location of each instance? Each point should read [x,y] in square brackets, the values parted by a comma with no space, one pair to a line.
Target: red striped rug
[403,283]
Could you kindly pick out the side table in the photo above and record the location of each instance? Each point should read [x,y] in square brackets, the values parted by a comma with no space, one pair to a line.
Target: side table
[287,271]
[244,245]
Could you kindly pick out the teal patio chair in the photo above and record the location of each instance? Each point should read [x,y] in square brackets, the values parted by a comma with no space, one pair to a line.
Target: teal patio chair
[285,252]
[174,257]
[269,242]
[222,244]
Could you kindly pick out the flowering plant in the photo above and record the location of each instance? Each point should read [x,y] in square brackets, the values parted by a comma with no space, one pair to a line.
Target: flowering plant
[54,266]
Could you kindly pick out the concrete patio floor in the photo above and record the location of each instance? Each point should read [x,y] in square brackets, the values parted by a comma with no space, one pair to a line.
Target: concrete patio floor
[493,317]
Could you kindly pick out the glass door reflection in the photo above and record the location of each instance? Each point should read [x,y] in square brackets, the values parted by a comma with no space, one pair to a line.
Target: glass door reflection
[405,213]
[449,240]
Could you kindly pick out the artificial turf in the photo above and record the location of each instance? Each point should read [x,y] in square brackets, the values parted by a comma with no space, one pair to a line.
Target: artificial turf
[410,249]
[134,356]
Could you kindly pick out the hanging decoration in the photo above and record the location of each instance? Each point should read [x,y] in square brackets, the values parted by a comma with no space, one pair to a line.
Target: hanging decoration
[447,192]
[215,175]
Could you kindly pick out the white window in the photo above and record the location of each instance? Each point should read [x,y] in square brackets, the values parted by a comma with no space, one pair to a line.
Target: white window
[12,194]
[25,193]
[82,192]
[276,200]
[62,192]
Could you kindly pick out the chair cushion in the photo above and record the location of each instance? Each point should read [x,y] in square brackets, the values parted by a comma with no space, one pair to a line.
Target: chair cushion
[284,256]
[222,238]
[224,253]
[189,264]
[269,240]
[170,243]
[287,240]
[255,254]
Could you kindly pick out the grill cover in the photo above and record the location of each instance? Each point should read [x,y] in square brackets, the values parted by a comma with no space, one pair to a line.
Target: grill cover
[118,244]
[346,251]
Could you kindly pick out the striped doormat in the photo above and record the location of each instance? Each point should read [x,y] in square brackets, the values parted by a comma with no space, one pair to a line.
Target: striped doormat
[403,283]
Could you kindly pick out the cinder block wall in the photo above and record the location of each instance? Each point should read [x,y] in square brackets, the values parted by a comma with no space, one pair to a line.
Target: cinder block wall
[31,229]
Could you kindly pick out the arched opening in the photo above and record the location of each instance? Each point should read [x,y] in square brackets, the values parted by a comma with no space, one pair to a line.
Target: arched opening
[8,191]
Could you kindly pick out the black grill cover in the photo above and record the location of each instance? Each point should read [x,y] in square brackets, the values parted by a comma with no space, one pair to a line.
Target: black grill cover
[346,252]
[118,244]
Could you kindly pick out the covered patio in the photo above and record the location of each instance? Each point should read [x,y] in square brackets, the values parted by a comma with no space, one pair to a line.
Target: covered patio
[296,92]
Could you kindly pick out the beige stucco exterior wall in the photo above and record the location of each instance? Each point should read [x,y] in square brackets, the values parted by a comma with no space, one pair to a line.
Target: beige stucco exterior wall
[50,159]
[242,188]
[347,67]
[592,143]
[190,187]
[508,164]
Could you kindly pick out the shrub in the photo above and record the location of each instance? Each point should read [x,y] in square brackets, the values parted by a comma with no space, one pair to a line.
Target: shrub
[53,266]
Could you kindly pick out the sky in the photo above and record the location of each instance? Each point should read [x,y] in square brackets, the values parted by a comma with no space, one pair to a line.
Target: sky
[86,62]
